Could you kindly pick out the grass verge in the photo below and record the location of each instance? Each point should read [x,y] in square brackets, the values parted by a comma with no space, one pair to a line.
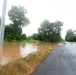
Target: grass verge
[27,65]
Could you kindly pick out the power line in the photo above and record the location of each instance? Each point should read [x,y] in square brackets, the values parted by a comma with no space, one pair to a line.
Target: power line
[72,3]
[63,9]
[70,7]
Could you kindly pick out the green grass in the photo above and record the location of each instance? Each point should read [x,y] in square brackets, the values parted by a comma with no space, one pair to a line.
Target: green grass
[31,41]
[26,41]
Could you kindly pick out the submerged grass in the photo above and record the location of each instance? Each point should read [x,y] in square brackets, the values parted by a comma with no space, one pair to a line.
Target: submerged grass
[27,65]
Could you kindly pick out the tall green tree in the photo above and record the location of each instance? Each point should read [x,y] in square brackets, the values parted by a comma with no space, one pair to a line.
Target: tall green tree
[50,31]
[17,16]
[56,28]
[70,35]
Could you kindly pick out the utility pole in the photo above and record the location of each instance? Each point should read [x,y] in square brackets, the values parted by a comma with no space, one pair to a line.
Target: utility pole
[2,27]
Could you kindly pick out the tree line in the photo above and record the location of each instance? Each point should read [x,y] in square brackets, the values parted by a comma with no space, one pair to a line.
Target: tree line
[70,35]
[48,31]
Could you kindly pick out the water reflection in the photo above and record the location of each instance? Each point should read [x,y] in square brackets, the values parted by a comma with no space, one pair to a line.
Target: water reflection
[12,51]
[26,49]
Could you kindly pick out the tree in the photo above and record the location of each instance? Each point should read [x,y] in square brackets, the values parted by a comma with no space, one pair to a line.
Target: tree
[23,36]
[56,28]
[35,36]
[43,31]
[17,16]
[9,33]
[70,35]
[50,31]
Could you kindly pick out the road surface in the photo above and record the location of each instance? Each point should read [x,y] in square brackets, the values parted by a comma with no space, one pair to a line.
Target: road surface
[61,61]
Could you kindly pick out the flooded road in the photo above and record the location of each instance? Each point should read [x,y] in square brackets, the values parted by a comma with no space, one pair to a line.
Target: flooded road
[11,51]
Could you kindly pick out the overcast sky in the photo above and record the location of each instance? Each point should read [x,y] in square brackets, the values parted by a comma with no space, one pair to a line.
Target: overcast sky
[39,10]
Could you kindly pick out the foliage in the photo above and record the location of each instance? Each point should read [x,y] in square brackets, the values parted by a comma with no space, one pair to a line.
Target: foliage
[23,36]
[14,31]
[49,31]
[12,35]
[70,36]
[9,33]
[31,41]
[35,36]
[17,16]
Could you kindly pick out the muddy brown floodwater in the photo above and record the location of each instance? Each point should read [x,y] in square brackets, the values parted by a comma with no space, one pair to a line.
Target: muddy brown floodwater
[11,51]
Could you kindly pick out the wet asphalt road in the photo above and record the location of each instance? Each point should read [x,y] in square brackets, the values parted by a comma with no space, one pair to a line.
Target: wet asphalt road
[61,61]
